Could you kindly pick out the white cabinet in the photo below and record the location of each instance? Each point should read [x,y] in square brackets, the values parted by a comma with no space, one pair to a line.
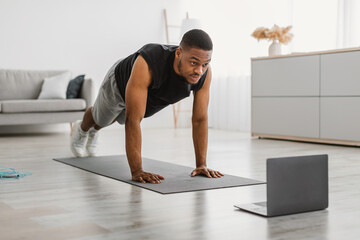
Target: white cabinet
[308,97]
[297,76]
[340,118]
[340,74]
[340,96]
[293,116]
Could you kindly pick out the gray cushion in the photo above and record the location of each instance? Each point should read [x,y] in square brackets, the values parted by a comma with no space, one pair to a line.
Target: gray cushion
[22,84]
[74,87]
[42,105]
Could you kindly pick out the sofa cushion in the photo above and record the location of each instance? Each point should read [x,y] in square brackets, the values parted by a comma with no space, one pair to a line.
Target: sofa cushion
[74,87]
[22,84]
[55,87]
[42,105]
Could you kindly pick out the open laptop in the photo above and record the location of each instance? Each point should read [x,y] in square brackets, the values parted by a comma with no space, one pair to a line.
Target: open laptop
[294,185]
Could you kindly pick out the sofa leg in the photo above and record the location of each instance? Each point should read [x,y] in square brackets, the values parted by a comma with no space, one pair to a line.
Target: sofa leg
[71,128]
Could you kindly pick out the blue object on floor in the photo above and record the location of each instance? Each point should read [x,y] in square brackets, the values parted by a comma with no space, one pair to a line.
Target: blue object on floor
[12,173]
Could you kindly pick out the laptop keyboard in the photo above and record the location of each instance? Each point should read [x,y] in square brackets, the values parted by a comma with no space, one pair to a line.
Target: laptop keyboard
[262,204]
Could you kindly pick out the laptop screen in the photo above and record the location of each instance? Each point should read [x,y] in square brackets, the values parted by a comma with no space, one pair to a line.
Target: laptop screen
[297,184]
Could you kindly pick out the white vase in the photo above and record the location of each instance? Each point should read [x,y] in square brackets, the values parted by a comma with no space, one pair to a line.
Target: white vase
[275,48]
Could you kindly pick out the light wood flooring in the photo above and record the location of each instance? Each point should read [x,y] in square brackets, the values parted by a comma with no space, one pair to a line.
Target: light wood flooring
[62,202]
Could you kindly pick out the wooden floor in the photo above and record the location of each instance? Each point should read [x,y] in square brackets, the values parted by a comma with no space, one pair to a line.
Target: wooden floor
[62,202]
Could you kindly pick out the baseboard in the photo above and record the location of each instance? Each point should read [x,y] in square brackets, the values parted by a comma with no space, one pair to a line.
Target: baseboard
[35,128]
[308,139]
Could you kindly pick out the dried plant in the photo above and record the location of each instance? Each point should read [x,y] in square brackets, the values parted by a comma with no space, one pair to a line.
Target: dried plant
[274,33]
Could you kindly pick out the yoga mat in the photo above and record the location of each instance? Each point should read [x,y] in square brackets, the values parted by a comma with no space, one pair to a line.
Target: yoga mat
[177,177]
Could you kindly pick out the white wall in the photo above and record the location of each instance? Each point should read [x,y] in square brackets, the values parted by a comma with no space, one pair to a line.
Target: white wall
[315,25]
[88,36]
[83,36]
[230,24]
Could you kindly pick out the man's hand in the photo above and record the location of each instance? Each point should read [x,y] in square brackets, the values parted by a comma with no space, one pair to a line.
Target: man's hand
[145,177]
[207,172]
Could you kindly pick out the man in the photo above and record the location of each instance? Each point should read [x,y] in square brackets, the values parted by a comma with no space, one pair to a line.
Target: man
[143,84]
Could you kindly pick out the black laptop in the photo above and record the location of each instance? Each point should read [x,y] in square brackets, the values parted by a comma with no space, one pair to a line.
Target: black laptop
[294,185]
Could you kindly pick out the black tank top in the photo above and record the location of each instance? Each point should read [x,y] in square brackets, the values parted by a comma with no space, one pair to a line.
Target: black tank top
[166,87]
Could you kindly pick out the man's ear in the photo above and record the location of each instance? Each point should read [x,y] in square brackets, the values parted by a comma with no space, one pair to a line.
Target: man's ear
[178,52]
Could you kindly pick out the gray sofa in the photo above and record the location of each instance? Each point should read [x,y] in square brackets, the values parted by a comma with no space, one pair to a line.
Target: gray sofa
[19,105]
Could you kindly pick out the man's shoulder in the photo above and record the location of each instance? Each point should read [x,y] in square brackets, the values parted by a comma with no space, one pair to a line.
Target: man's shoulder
[159,59]
[156,47]
[157,56]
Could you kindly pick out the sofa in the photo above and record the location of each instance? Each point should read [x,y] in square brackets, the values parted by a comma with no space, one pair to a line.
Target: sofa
[19,103]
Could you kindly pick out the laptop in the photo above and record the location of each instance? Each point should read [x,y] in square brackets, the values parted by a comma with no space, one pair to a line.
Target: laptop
[294,185]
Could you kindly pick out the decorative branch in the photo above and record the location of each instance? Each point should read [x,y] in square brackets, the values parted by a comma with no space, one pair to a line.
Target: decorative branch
[275,33]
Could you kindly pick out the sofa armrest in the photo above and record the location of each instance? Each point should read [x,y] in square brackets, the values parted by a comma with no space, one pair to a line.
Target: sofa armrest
[88,92]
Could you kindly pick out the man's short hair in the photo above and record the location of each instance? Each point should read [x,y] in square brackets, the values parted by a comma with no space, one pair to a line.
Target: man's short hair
[196,38]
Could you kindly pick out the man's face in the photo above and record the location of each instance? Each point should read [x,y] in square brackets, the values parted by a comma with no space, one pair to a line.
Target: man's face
[193,63]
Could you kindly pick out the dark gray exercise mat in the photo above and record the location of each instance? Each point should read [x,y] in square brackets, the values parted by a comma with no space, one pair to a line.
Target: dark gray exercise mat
[177,177]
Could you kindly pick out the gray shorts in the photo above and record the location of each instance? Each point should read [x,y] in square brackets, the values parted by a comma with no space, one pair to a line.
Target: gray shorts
[109,105]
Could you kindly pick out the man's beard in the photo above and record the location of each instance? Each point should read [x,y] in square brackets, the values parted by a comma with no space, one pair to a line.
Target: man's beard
[180,67]
[180,71]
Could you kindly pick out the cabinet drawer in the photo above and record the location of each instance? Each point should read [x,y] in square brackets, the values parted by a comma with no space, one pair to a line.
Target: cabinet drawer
[340,74]
[293,76]
[288,116]
[340,118]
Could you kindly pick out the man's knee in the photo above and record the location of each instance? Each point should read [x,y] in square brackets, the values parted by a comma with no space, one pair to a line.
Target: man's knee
[89,109]
[88,117]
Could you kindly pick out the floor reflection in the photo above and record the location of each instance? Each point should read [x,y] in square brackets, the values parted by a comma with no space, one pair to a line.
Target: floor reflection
[200,215]
[300,225]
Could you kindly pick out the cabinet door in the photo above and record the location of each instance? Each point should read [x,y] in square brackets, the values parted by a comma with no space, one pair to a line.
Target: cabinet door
[292,76]
[287,116]
[340,74]
[340,118]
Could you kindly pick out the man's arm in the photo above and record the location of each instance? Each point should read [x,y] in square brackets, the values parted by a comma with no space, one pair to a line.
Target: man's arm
[135,100]
[200,129]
